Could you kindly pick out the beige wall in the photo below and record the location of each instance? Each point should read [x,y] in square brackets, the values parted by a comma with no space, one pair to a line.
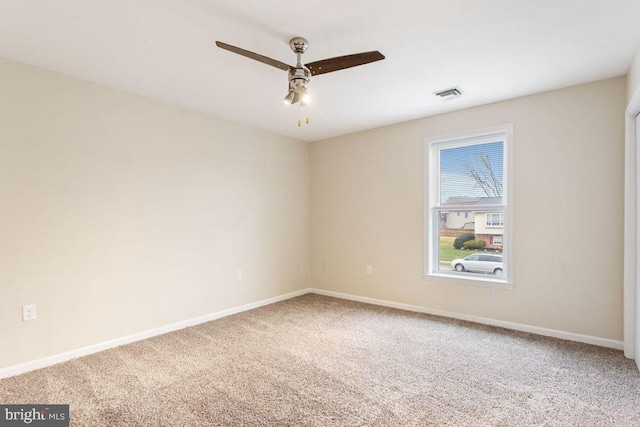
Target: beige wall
[367,207]
[121,214]
[633,77]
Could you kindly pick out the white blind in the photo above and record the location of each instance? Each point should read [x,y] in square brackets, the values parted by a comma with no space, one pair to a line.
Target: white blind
[471,173]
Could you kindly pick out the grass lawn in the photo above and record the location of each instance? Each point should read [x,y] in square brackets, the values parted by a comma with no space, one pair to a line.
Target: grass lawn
[448,253]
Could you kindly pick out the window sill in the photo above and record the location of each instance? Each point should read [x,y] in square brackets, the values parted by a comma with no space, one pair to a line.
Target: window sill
[462,279]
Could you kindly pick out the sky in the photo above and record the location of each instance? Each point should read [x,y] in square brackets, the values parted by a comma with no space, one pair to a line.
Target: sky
[455,180]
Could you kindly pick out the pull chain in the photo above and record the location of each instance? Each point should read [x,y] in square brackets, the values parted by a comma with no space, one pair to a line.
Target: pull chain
[300,107]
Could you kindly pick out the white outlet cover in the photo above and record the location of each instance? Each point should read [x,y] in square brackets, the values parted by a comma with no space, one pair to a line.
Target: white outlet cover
[369,269]
[239,275]
[28,312]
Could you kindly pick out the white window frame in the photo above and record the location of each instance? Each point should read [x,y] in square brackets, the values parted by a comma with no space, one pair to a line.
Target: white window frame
[499,225]
[493,240]
[432,147]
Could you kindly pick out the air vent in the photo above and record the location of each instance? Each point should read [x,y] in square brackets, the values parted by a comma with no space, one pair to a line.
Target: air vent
[448,94]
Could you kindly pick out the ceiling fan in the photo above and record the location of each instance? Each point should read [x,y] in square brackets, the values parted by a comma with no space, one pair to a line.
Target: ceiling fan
[300,75]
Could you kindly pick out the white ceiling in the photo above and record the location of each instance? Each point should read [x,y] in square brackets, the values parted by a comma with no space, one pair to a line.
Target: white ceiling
[165,49]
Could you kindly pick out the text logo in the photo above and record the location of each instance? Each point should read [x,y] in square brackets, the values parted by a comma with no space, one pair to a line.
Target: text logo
[34,415]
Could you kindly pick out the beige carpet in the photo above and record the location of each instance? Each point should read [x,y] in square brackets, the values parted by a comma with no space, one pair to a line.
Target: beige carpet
[322,361]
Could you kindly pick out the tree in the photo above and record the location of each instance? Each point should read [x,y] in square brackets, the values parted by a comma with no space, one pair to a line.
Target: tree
[484,176]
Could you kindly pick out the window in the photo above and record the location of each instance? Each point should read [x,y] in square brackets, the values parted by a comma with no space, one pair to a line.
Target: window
[495,219]
[469,174]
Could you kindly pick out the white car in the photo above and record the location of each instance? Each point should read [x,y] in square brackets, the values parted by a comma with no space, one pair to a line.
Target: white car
[479,263]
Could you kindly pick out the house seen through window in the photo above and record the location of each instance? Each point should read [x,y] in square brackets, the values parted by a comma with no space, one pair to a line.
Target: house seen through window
[467,207]
[495,219]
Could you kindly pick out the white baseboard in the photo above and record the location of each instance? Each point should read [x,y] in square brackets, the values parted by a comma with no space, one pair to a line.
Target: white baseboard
[63,357]
[602,342]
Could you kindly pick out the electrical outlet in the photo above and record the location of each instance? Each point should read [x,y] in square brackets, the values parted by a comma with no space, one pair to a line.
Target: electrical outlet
[491,294]
[239,275]
[369,269]
[28,312]
[324,267]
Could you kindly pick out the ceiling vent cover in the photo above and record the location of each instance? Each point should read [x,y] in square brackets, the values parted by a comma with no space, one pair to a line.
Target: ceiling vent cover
[448,94]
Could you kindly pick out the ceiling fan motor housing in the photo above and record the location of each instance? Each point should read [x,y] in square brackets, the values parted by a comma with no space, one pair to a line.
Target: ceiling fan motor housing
[299,78]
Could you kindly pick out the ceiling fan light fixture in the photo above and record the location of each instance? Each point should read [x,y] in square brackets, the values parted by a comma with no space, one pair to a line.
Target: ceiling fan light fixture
[288,99]
[306,98]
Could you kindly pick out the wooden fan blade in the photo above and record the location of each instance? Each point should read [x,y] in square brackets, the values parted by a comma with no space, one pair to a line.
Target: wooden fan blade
[342,62]
[255,56]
